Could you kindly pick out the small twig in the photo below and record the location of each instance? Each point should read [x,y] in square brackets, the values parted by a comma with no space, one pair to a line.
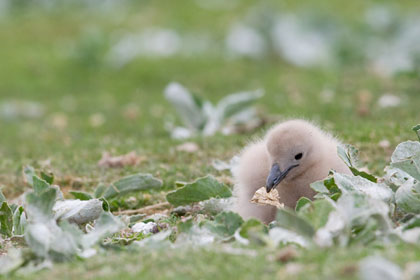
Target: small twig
[144,209]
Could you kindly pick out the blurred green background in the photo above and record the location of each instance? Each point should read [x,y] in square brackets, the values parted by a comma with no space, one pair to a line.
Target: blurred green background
[83,77]
[78,78]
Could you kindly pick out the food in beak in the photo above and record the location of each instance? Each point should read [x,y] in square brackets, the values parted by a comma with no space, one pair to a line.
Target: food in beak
[262,197]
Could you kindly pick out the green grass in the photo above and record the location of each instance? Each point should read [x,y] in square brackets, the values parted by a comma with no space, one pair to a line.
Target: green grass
[207,263]
[45,59]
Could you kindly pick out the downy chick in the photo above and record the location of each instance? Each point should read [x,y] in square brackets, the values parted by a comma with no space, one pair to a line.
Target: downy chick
[292,155]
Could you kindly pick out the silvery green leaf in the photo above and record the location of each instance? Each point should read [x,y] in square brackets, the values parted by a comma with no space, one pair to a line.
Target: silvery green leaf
[39,184]
[323,238]
[136,218]
[21,109]
[356,209]
[281,236]
[185,225]
[316,212]
[158,240]
[240,239]
[291,221]
[59,193]
[319,187]
[220,165]
[6,220]
[199,190]
[78,211]
[357,218]
[81,195]
[100,190]
[243,40]
[336,225]
[40,205]
[395,177]
[247,116]
[407,196]
[13,207]
[19,221]
[39,237]
[378,268]
[301,42]
[29,173]
[181,133]
[48,177]
[350,155]
[157,217]
[50,241]
[413,222]
[410,235]
[11,261]
[106,225]
[187,106]
[372,230]
[370,216]
[302,202]
[416,129]
[223,165]
[61,242]
[105,204]
[214,206]
[85,254]
[357,184]
[410,166]
[213,120]
[326,186]
[196,236]
[236,103]
[363,174]
[211,127]
[67,242]
[407,158]
[251,227]
[225,224]
[33,267]
[406,150]
[133,183]
[2,198]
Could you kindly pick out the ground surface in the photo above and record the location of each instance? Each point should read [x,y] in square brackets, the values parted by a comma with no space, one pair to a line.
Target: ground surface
[46,57]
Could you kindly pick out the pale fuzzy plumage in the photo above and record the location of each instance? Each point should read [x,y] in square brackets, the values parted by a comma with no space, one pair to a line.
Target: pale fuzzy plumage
[280,145]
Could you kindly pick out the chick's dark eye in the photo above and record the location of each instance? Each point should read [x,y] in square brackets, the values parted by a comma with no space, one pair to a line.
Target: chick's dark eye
[298,156]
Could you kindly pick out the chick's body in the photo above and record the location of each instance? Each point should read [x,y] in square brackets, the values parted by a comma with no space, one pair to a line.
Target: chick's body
[300,151]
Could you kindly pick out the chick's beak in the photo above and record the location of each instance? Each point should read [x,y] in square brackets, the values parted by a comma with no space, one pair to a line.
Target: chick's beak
[276,176]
